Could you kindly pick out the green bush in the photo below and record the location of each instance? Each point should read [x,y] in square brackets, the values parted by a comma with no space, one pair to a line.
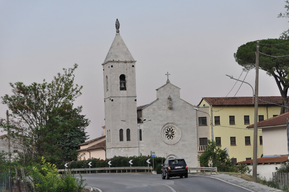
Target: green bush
[45,178]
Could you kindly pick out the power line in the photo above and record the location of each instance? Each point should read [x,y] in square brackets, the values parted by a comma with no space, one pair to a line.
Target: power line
[273,43]
[234,84]
[232,127]
[235,93]
[273,55]
[273,103]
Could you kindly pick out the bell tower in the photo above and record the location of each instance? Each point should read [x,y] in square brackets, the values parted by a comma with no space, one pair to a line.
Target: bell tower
[120,99]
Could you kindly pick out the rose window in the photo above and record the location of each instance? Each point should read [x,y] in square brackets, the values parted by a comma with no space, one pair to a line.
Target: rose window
[170,133]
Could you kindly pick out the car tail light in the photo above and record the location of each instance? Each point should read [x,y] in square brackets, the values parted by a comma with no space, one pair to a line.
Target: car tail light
[169,168]
[186,167]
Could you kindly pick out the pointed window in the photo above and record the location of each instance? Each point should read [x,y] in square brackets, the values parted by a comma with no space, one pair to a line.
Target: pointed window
[140,135]
[120,135]
[128,134]
[106,83]
[122,82]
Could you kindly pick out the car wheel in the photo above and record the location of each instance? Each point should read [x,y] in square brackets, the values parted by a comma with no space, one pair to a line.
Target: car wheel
[167,175]
[181,176]
[186,175]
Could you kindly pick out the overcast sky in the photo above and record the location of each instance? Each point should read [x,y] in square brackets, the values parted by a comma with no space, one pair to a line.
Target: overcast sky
[192,40]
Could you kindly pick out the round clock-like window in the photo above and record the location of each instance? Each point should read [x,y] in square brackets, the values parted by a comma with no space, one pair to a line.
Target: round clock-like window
[171,134]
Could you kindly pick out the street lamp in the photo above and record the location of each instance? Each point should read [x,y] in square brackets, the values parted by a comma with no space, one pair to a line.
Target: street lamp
[255,95]
[243,82]
[211,116]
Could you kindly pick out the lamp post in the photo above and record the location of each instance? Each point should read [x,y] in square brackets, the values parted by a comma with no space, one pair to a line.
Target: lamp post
[211,117]
[255,96]
[243,82]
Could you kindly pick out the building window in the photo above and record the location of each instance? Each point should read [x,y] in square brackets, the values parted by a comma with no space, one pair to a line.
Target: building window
[122,82]
[246,119]
[128,134]
[233,141]
[261,117]
[217,120]
[120,135]
[234,160]
[106,83]
[247,140]
[140,135]
[218,141]
[202,121]
[261,140]
[248,158]
[232,120]
[203,141]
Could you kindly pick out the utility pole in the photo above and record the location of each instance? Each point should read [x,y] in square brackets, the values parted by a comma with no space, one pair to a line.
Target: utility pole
[9,152]
[255,117]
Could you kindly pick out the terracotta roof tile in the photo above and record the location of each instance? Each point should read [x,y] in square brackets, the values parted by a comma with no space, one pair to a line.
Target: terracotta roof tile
[242,101]
[273,121]
[93,140]
[266,160]
[100,145]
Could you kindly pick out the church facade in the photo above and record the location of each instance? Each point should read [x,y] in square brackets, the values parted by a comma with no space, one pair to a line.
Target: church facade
[167,127]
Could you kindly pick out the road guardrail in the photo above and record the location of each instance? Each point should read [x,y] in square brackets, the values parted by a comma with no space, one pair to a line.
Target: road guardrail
[107,169]
[129,169]
[202,169]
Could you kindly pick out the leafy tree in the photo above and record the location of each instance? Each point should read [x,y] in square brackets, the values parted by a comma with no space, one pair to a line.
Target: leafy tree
[285,34]
[213,154]
[51,126]
[220,159]
[277,66]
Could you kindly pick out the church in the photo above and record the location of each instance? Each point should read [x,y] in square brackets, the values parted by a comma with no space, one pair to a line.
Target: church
[166,127]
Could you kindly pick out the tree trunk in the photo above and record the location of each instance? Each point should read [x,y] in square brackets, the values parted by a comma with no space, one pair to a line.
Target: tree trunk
[285,105]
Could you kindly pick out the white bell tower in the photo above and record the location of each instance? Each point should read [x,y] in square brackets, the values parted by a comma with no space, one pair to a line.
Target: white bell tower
[120,100]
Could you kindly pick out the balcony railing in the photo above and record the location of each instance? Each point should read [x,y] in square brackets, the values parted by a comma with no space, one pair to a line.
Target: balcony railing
[202,148]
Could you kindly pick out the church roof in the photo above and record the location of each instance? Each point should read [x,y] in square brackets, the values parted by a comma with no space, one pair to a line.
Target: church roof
[243,101]
[100,145]
[168,82]
[118,51]
[92,140]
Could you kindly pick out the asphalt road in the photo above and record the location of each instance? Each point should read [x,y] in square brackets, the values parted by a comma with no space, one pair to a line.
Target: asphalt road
[122,182]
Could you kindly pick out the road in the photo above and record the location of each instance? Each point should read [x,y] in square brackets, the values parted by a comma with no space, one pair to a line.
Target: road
[122,182]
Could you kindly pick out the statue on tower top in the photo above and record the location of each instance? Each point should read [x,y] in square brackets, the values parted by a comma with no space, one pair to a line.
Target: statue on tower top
[117,25]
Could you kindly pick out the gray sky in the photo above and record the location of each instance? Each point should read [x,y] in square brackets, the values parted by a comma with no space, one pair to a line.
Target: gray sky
[192,40]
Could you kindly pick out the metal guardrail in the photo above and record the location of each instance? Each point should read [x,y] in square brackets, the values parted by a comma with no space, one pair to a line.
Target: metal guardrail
[211,169]
[130,169]
[106,169]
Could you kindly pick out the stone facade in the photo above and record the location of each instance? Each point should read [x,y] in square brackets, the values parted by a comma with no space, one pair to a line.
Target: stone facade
[120,100]
[170,128]
[167,126]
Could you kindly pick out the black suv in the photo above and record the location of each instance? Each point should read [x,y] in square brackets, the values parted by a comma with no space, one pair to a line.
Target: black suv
[174,167]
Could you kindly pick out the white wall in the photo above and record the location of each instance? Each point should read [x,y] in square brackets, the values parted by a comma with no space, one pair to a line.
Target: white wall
[274,141]
[265,171]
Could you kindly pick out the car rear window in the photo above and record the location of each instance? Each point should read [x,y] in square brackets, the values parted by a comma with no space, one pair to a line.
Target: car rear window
[177,162]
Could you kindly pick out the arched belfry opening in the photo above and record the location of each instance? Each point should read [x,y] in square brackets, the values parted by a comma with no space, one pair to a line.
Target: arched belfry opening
[122,82]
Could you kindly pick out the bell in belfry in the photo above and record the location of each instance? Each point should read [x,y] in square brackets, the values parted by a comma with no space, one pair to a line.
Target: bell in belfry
[122,86]
[122,82]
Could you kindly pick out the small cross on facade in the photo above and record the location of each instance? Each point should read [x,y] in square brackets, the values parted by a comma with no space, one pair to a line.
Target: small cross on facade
[167,74]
